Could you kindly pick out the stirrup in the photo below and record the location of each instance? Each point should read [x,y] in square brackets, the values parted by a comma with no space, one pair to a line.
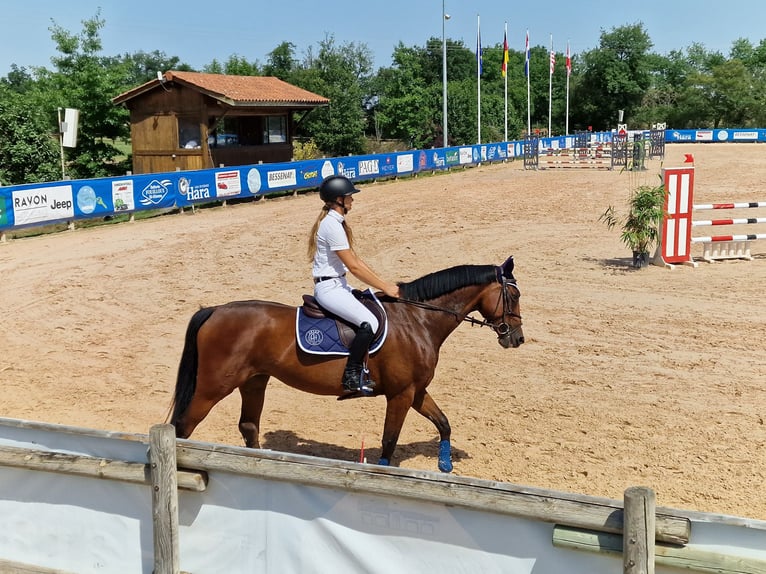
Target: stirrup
[362,385]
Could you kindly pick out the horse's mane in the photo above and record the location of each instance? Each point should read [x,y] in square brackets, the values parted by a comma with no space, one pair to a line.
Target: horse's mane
[439,283]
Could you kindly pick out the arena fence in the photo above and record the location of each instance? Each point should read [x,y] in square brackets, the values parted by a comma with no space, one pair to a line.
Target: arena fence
[80,500]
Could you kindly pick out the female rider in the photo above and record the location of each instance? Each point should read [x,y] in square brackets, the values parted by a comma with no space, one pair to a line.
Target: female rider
[331,248]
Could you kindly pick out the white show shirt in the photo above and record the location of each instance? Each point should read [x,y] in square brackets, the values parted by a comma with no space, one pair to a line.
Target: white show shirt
[331,237]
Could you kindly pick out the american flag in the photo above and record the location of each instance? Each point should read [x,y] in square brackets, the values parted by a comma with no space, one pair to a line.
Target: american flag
[553,61]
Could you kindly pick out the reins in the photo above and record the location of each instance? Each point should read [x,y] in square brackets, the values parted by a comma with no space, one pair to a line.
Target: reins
[501,329]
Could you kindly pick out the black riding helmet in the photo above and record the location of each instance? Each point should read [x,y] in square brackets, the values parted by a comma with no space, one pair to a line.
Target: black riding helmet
[336,186]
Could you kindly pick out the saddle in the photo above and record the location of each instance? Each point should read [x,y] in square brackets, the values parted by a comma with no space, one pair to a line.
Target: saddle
[320,332]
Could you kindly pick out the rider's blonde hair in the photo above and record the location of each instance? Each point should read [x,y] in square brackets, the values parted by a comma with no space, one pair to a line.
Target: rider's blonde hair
[314,228]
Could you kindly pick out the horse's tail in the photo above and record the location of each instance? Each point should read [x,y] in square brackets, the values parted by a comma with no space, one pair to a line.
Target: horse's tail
[186,382]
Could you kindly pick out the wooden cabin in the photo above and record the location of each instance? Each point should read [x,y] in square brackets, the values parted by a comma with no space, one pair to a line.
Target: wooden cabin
[190,120]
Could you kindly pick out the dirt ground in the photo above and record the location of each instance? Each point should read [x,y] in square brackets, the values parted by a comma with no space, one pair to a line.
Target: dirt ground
[654,377]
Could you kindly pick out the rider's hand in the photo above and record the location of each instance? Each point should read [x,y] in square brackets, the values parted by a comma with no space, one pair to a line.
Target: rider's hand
[392,290]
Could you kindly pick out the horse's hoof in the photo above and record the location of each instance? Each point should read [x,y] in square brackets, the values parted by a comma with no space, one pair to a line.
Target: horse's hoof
[445,465]
[384,462]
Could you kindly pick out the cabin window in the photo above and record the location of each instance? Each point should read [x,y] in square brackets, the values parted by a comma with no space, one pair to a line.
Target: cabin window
[275,129]
[189,135]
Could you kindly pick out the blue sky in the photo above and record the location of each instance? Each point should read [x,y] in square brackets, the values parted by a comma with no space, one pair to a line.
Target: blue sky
[201,31]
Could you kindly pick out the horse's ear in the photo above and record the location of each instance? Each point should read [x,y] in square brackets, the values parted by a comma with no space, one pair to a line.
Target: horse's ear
[508,267]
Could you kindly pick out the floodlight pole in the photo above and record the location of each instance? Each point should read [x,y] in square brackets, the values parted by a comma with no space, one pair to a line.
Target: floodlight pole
[445,17]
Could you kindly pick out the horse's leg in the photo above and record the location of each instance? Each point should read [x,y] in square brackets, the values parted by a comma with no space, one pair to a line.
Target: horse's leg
[396,411]
[253,393]
[198,409]
[426,406]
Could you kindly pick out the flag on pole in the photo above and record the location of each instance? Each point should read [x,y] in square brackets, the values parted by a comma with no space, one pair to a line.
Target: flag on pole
[526,73]
[526,57]
[478,47]
[505,54]
[553,61]
[569,62]
[478,78]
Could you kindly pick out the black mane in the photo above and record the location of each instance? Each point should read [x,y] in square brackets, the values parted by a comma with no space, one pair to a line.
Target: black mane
[439,283]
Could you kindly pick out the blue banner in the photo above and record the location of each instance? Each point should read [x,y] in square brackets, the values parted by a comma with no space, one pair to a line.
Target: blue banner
[54,202]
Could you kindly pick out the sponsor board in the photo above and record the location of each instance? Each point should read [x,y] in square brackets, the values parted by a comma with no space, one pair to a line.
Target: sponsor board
[122,195]
[155,192]
[281,178]
[369,167]
[703,135]
[452,157]
[253,180]
[227,183]
[389,166]
[681,137]
[42,204]
[745,136]
[193,192]
[348,171]
[722,135]
[405,162]
[466,155]
[4,210]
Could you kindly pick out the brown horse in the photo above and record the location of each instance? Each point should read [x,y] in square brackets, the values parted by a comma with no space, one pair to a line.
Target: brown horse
[240,345]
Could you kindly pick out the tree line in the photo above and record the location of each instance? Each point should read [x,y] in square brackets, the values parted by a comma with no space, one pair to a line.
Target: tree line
[686,88]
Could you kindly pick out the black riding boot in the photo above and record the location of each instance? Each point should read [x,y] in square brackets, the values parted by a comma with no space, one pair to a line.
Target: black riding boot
[354,373]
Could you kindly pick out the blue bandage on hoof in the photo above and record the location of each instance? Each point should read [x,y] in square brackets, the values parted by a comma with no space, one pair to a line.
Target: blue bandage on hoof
[445,456]
[384,462]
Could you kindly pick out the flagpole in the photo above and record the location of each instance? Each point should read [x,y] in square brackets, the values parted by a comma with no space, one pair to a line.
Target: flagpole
[478,78]
[550,87]
[527,70]
[569,71]
[505,77]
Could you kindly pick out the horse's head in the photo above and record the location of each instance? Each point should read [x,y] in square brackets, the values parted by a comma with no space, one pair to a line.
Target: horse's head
[499,305]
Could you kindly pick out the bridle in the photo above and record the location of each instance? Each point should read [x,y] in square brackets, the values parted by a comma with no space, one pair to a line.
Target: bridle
[503,329]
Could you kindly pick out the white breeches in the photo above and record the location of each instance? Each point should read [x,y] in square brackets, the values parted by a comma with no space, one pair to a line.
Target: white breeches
[335,296]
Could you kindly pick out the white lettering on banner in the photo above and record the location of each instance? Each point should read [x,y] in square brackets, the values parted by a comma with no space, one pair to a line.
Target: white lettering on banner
[349,172]
[745,135]
[368,167]
[193,192]
[155,192]
[42,204]
[682,137]
[439,161]
[704,135]
[282,178]
[466,155]
[404,163]
[227,183]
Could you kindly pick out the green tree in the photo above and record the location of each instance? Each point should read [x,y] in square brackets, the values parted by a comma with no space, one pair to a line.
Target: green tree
[615,76]
[235,66]
[281,62]
[29,152]
[340,73]
[141,67]
[85,80]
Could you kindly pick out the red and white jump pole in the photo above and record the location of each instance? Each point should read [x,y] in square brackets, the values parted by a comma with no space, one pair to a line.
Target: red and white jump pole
[677,224]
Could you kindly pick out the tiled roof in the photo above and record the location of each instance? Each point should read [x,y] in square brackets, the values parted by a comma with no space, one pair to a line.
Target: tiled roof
[236,90]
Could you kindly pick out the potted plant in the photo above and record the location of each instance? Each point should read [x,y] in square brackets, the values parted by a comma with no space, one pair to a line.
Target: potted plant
[641,226]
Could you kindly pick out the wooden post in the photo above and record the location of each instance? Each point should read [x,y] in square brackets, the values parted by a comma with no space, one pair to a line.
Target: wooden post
[638,530]
[162,460]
